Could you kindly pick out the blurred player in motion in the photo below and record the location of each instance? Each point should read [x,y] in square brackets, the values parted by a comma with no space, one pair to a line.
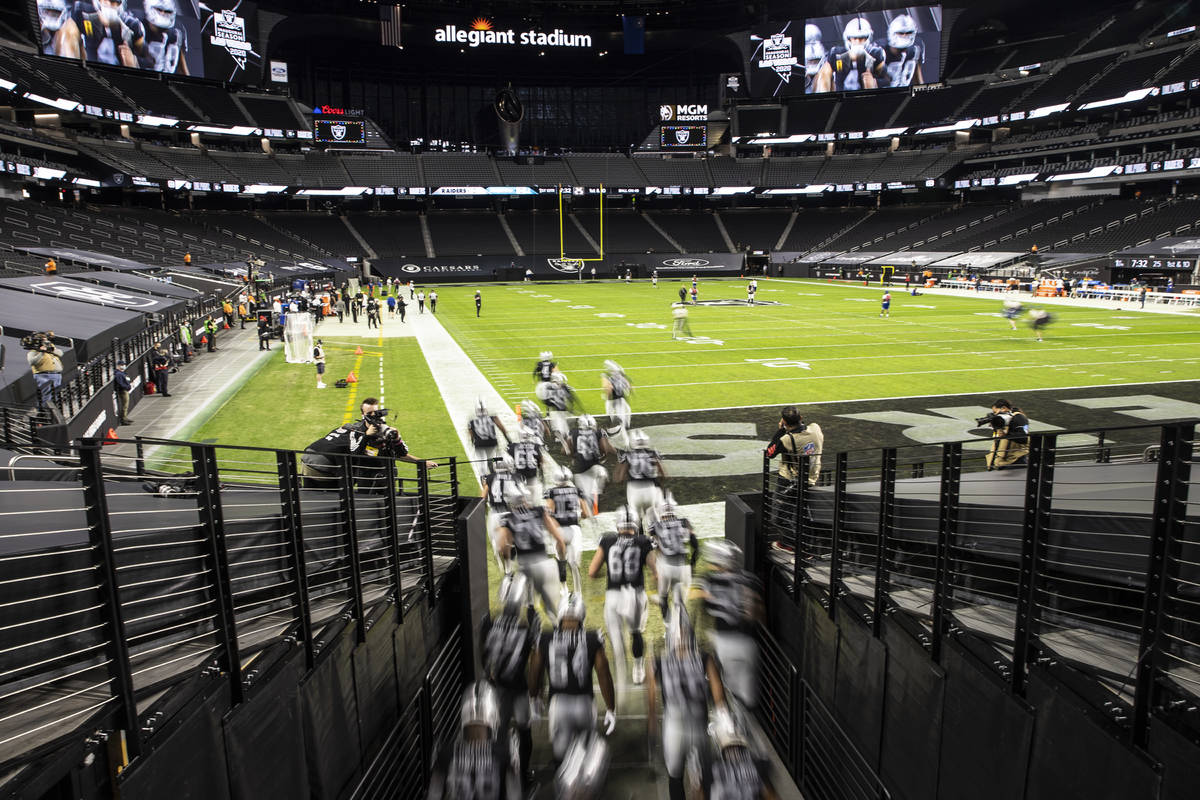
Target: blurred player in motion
[679,317]
[903,53]
[111,34]
[686,675]
[588,446]
[625,554]
[524,529]
[545,368]
[482,429]
[584,769]
[166,44]
[565,503]
[497,487]
[60,33]
[526,455]
[476,765]
[1012,310]
[859,64]
[617,388]
[733,602]
[672,534]
[739,768]
[1039,318]
[643,471]
[559,398]
[507,643]
[570,654]
[885,305]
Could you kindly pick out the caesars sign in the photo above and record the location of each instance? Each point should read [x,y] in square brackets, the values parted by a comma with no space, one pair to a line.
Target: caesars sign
[483,31]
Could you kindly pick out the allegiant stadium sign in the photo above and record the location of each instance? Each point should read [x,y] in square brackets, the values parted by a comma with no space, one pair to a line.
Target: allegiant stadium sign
[483,32]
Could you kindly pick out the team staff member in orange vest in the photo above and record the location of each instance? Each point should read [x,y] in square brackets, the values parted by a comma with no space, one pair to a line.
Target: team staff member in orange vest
[187,259]
[51,266]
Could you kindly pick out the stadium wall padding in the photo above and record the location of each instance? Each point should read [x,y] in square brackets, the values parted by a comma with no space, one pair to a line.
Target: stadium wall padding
[912,716]
[330,717]
[263,741]
[859,691]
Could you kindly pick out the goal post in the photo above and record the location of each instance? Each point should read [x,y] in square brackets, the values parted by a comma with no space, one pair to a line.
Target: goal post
[563,258]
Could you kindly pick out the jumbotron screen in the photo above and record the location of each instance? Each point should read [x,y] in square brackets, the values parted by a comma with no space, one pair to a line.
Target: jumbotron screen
[891,49]
[210,39]
[339,131]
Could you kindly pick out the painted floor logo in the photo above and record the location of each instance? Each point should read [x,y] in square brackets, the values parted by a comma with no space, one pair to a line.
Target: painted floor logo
[731,301]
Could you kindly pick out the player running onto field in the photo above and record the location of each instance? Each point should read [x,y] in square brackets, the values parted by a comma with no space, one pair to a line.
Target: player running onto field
[1039,318]
[625,554]
[885,305]
[1012,310]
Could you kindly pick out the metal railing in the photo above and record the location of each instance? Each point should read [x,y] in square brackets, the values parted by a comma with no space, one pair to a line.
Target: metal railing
[117,582]
[1086,557]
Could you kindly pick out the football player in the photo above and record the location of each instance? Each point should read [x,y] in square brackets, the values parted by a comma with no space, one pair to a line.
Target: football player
[643,471]
[532,421]
[625,554]
[527,460]
[570,655]
[523,529]
[733,602]
[559,397]
[111,34]
[903,53]
[686,675]
[482,430]
[497,487]
[1038,320]
[507,643]
[584,770]
[166,44]
[475,766]
[60,34]
[545,368]
[587,446]
[751,291]
[814,56]
[564,502]
[672,534]
[739,769]
[617,389]
[1012,310]
[857,65]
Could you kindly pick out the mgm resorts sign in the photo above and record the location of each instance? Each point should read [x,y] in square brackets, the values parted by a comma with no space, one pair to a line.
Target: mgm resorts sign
[683,112]
[483,31]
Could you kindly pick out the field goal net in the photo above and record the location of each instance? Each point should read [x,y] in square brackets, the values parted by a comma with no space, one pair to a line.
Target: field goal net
[298,337]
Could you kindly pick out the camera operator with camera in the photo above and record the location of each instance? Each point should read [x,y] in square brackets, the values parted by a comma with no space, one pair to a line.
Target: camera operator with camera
[793,440]
[369,437]
[45,361]
[1010,435]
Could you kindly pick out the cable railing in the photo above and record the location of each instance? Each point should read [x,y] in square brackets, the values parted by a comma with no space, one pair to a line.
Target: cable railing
[118,582]
[1085,557]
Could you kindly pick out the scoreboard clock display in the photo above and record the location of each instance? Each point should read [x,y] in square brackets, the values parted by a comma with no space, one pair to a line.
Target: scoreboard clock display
[339,131]
[1155,263]
[684,137]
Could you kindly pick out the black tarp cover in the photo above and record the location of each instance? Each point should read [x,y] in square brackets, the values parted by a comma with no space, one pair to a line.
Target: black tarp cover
[90,257]
[137,283]
[92,327]
[107,296]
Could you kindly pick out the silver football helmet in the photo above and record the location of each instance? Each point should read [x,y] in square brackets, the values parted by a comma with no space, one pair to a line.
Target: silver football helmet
[572,607]
[638,438]
[587,421]
[481,408]
[529,409]
[811,33]
[625,520]
[814,54]
[902,32]
[161,13]
[723,554]
[514,592]
[505,463]
[612,367]
[480,706]
[563,476]
[857,36]
[545,355]
[667,509]
[680,636]
[53,14]
[517,495]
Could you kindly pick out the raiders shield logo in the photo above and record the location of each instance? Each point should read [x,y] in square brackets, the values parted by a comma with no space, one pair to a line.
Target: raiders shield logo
[338,130]
[682,135]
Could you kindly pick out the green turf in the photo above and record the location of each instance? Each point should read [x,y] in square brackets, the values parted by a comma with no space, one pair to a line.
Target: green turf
[280,406]
[824,342]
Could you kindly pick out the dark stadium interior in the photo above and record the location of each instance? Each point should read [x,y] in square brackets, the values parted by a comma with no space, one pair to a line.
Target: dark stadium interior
[921,641]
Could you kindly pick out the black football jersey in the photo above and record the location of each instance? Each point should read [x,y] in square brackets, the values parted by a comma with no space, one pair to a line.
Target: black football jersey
[625,557]
[496,482]
[684,682]
[163,49]
[732,600]
[483,430]
[620,386]
[558,397]
[672,536]
[642,463]
[901,64]
[100,41]
[569,656]
[567,505]
[846,76]
[528,530]
[507,643]
[544,369]
[586,450]
[527,457]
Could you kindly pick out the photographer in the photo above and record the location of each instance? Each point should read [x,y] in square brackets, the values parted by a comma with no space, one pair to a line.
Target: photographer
[793,440]
[369,436]
[1010,435]
[45,361]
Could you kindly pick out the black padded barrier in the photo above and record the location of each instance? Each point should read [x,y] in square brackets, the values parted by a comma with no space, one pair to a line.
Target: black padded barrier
[330,718]
[818,665]
[375,683]
[986,733]
[1181,768]
[912,717]
[188,765]
[1074,756]
[263,738]
[858,694]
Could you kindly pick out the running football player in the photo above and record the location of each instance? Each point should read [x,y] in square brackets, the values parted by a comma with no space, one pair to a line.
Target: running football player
[733,602]
[524,530]
[643,471]
[508,641]
[625,554]
[565,503]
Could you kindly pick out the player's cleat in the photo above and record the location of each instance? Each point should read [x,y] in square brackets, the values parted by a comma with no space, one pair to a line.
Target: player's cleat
[639,670]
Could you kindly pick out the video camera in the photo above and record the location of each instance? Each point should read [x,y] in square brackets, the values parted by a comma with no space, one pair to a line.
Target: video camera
[996,422]
[38,341]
